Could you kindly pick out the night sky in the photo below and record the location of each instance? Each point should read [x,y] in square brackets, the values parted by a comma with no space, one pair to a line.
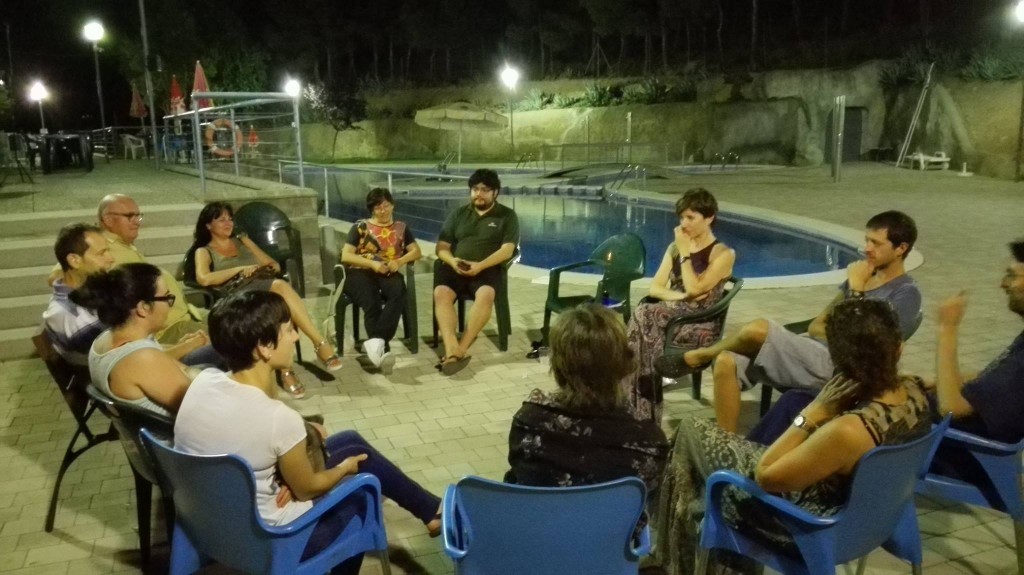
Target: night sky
[254,44]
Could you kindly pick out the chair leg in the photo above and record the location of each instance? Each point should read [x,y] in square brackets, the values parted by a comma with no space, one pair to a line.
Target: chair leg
[143,507]
[69,456]
[695,382]
[861,564]
[915,569]
[1018,531]
[701,562]
[169,514]
[546,327]
[385,562]
[339,326]
[766,398]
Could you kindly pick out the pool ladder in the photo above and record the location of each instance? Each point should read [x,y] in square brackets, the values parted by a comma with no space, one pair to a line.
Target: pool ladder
[526,159]
[639,172]
[726,159]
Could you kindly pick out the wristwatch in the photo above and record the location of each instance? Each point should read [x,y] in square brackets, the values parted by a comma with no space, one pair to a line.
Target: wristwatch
[855,294]
[682,259]
[803,423]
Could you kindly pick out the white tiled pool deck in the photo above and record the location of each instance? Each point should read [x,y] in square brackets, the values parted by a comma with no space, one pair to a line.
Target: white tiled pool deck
[439,429]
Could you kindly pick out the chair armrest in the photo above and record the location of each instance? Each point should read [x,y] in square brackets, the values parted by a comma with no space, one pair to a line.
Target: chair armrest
[339,274]
[789,512]
[643,549]
[799,327]
[981,444]
[197,295]
[555,277]
[448,525]
[720,308]
[339,492]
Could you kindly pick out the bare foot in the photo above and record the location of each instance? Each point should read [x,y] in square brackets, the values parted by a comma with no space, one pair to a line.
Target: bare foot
[434,526]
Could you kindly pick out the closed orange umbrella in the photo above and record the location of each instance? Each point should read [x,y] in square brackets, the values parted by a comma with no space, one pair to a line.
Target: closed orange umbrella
[199,85]
[138,109]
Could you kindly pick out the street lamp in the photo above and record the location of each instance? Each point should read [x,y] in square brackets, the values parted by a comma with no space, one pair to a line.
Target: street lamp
[1019,11]
[38,93]
[292,87]
[94,32]
[509,77]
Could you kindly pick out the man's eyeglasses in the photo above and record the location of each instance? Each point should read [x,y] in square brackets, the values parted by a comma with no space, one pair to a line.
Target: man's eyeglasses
[131,216]
[169,298]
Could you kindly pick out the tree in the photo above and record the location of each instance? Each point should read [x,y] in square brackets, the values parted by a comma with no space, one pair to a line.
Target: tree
[337,105]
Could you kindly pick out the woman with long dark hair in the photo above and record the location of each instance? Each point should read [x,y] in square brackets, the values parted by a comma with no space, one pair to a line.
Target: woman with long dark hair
[866,404]
[125,361]
[238,264]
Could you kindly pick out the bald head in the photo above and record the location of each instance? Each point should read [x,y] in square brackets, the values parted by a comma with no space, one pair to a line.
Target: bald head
[119,214]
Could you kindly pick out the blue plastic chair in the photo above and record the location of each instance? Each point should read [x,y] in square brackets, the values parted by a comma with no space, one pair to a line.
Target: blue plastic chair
[880,512]
[500,528]
[1000,489]
[217,519]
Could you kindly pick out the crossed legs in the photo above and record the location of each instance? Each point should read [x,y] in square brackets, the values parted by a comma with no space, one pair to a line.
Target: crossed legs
[301,317]
[747,341]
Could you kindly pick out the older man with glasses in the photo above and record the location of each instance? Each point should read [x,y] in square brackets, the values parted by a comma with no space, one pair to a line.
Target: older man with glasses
[120,218]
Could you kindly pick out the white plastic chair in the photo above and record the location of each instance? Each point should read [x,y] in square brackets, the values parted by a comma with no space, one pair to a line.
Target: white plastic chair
[134,144]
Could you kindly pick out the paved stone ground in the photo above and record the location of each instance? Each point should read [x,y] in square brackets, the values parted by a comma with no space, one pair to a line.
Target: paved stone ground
[438,429]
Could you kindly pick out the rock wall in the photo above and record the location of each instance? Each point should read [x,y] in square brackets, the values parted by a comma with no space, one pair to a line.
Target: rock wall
[778,117]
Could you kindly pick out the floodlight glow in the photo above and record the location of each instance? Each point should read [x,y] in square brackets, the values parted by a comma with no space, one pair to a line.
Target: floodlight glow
[510,76]
[93,31]
[1018,11]
[38,92]
[293,88]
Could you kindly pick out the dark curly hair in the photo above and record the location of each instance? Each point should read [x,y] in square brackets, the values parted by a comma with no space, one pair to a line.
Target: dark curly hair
[864,342]
[114,294]
[589,356]
[211,211]
[700,201]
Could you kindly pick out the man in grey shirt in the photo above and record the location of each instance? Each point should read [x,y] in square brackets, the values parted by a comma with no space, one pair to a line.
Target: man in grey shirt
[765,352]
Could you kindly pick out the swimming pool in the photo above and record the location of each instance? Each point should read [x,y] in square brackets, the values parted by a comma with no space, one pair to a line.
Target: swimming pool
[558,230]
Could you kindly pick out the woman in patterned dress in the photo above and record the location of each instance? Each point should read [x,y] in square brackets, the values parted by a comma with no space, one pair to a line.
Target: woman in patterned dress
[582,433]
[865,405]
[691,278]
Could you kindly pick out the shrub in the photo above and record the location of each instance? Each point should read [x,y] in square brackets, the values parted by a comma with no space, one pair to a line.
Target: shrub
[535,100]
[598,96]
[563,101]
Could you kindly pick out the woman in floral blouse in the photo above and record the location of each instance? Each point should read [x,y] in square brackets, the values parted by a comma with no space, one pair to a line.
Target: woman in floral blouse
[582,433]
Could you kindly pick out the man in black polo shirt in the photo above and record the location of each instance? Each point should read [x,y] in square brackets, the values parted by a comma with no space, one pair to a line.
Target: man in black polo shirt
[475,241]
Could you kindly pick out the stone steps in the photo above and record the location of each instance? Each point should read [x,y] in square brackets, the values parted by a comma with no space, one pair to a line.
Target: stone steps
[26,258]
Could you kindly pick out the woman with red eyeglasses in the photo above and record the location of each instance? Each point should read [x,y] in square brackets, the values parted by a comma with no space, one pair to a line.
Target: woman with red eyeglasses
[125,361]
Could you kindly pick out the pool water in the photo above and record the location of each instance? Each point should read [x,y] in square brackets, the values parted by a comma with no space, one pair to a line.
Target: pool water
[557,230]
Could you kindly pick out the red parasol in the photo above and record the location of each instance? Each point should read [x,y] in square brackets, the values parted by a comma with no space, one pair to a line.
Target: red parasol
[254,139]
[138,109]
[177,97]
[199,85]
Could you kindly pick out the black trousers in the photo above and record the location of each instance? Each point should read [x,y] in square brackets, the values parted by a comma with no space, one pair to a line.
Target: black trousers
[382,299]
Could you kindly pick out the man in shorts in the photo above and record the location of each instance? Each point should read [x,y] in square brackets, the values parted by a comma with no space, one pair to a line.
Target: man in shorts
[476,240]
[766,352]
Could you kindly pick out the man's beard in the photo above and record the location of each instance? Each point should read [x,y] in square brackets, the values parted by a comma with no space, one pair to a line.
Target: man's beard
[486,205]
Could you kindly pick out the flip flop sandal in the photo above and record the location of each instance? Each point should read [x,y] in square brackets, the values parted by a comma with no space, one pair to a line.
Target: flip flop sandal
[454,365]
[440,362]
[332,363]
[290,382]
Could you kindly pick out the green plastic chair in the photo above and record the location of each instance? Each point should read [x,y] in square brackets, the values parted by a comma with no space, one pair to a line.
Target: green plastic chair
[274,233]
[622,258]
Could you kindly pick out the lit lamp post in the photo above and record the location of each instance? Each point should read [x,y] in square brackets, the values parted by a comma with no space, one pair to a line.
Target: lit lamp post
[93,32]
[1019,13]
[509,77]
[38,93]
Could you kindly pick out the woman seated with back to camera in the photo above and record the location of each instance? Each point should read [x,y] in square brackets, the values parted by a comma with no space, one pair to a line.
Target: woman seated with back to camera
[236,413]
[125,361]
[238,264]
[865,405]
[583,433]
[691,278]
[374,251]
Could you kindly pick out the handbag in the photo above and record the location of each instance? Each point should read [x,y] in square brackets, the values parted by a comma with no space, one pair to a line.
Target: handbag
[240,281]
